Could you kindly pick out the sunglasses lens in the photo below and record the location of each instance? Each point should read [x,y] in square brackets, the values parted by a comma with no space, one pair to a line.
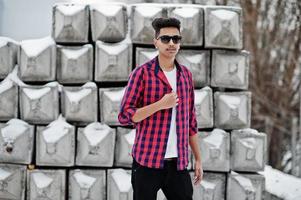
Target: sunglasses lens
[175,39]
[165,39]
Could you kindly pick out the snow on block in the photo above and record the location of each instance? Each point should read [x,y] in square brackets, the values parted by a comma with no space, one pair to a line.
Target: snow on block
[212,186]
[16,141]
[248,150]
[39,104]
[46,184]
[198,62]
[144,54]
[203,100]
[87,184]
[110,100]
[119,184]
[8,99]
[191,18]
[70,23]
[75,63]
[223,27]
[113,61]
[232,110]
[12,179]
[8,55]
[55,144]
[230,69]
[79,104]
[141,18]
[95,145]
[124,143]
[215,150]
[37,60]
[245,186]
[109,22]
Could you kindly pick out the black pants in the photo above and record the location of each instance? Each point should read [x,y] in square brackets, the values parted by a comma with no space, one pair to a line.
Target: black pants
[176,185]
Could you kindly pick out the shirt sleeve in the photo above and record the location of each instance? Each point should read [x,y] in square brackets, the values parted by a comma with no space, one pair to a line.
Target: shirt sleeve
[192,115]
[131,97]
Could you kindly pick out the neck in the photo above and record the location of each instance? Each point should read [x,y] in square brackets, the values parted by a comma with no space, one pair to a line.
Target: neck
[165,63]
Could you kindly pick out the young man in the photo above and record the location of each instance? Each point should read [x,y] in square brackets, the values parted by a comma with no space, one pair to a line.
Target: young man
[159,101]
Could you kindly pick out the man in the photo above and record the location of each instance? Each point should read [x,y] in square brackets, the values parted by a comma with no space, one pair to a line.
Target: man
[159,101]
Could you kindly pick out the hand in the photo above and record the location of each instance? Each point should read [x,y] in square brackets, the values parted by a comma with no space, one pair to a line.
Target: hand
[169,100]
[198,172]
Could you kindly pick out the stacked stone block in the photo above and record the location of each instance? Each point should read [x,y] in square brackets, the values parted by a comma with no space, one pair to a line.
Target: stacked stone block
[62,122]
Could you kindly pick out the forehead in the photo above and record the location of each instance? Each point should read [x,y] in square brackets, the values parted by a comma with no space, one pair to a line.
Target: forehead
[169,31]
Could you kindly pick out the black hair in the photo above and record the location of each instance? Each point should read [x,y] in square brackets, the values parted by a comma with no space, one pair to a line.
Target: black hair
[161,22]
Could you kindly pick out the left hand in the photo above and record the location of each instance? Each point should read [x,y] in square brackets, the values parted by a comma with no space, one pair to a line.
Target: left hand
[198,172]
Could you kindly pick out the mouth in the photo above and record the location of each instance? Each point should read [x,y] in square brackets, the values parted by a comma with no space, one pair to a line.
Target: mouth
[172,50]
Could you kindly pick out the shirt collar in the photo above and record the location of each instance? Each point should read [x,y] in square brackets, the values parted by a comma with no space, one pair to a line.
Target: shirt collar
[155,65]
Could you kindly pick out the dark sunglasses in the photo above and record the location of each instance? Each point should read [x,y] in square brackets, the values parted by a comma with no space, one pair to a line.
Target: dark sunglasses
[165,39]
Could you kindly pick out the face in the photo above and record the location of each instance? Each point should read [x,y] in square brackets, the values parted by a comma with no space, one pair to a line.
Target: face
[169,49]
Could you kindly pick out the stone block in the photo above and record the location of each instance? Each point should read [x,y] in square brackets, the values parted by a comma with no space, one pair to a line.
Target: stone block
[8,55]
[144,54]
[124,144]
[8,99]
[119,184]
[203,100]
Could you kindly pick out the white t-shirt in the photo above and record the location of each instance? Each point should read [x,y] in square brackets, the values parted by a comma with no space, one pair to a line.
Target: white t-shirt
[171,149]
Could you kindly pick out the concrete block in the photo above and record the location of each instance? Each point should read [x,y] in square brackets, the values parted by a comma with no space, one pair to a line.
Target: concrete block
[12,182]
[8,99]
[191,18]
[113,61]
[245,186]
[215,150]
[248,150]
[55,144]
[232,110]
[119,184]
[203,100]
[144,54]
[70,23]
[16,142]
[95,145]
[46,184]
[8,55]
[230,69]
[87,184]
[75,63]
[37,60]
[212,187]
[223,27]
[198,62]
[109,22]
[124,144]
[110,100]
[39,104]
[205,2]
[79,104]
[142,16]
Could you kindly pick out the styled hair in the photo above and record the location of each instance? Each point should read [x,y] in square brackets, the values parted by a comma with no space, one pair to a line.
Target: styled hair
[161,22]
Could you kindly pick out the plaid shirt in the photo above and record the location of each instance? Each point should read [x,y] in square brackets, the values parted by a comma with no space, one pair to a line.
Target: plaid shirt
[148,84]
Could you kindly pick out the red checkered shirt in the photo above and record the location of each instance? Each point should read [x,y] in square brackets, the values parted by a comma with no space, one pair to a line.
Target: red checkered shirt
[148,84]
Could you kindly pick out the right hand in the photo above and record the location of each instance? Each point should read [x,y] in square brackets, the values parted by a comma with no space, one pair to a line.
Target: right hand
[169,100]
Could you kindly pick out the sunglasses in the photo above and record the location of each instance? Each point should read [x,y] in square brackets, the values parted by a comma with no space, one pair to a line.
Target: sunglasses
[165,39]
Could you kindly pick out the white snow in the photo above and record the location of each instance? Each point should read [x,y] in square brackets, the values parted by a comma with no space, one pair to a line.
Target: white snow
[76,96]
[14,129]
[215,138]
[5,85]
[224,14]
[70,9]
[5,40]
[186,12]
[56,130]
[4,174]
[75,53]
[112,49]
[34,93]
[199,96]
[122,179]
[115,96]
[148,10]
[107,9]
[83,180]
[34,47]
[90,85]
[130,137]
[96,132]
[41,180]
[282,185]
[13,76]
[243,181]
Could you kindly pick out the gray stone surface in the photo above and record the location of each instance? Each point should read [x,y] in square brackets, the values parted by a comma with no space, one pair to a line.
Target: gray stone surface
[124,144]
[8,55]
[144,54]
[8,99]
[203,100]
[119,185]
